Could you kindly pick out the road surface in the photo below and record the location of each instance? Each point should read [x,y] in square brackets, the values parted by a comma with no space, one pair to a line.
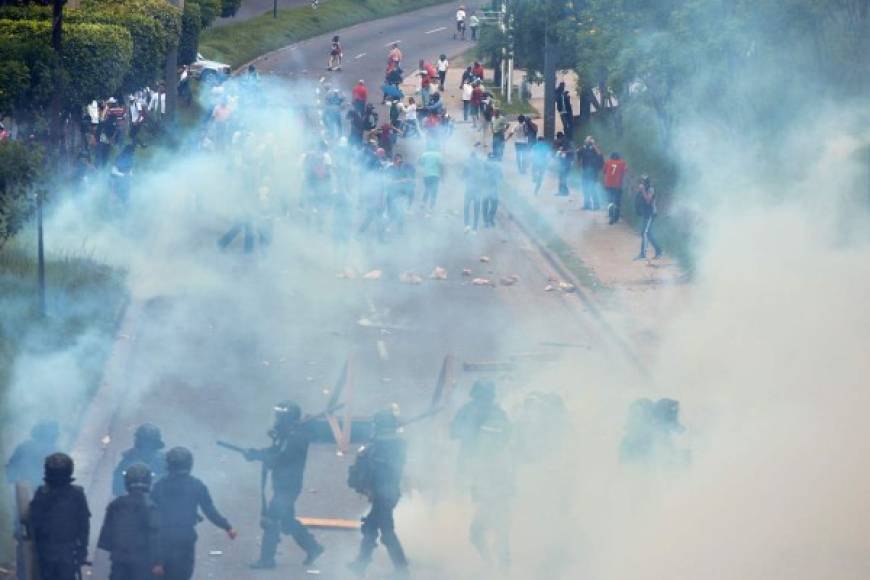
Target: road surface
[216,347]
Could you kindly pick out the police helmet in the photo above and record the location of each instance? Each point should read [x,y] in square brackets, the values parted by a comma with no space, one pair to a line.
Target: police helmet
[138,477]
[148,435]
[483,391]
[179,460]
[47,431]
[385,421]
[288,411]
[58,468]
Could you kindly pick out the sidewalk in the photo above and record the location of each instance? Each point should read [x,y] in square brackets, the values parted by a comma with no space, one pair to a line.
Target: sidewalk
[638,296]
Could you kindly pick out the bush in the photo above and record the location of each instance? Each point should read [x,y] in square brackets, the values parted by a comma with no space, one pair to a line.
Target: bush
[96,57]
[230,7]
[209,10]
[191,23]
[20,170]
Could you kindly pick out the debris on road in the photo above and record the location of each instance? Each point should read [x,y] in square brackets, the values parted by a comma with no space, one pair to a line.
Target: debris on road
[509,280]
[549,288]
[484,259]
[373,275]
[565,287]
[347,274]
[410,278]
[215,553]
[106,440]
[483,282]
[466,272]
[438,273]
[330,523]
[382,350]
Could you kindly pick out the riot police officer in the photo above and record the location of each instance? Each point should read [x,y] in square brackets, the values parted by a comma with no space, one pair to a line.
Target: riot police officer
[285,461]
[147,449]
[59,521]
[131,529]
[377,473]
[486,467]
[179,496]
[26,463]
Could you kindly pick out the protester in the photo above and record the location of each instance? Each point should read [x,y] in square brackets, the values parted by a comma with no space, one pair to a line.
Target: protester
[645,207]
[491,191]
[591,161]
[614,174]
[400,179]
[473,24]
[472,175]
[360,95]
[475,103]
[499,133]
[335,55]
[467,77]
[467,91]
[431,165]
[460,22]
[477,71]
[410,127]
[541,154]
[525,134]
[565,157]
[567,116]
[442,65]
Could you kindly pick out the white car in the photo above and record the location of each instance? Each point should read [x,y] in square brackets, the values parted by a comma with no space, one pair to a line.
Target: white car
[209,70]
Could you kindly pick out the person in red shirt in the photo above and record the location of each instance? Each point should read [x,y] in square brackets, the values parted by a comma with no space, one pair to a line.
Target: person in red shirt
[360,95]
[476,100]
[477,70]
[614,174]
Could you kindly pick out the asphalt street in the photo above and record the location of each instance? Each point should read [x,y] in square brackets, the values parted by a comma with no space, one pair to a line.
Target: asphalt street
[202,375]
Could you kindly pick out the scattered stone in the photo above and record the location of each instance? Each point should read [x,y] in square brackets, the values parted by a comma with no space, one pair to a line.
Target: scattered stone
[484,259]
[215,553]
[565,287]
[410,278]
[549,288]
[438,273]
[373,275]
[347,274]
[466,272]
[509,280]
[482,282]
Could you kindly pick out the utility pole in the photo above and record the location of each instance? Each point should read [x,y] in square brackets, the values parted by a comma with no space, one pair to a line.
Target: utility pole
[171,72]
[510,59]
[275,9]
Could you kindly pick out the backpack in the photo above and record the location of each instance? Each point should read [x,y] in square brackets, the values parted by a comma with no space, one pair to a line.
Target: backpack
[360,475]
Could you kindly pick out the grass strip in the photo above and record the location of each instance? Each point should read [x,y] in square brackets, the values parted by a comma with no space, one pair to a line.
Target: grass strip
[237,44]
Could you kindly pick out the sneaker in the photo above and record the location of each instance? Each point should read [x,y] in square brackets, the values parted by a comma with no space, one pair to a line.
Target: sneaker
[262,565]
[313,555]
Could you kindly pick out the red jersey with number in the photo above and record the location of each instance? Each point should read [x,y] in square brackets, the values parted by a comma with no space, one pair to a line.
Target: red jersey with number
[614,172]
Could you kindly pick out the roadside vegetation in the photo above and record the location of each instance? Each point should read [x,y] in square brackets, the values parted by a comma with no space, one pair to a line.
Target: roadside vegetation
[237,44]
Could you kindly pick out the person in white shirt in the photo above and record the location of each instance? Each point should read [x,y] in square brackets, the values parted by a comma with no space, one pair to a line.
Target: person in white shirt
[441,66]
[410,118]
[460,22]
[473,24]
[467,89]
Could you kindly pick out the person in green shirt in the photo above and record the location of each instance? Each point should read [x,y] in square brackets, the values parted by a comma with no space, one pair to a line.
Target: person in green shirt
[431,167]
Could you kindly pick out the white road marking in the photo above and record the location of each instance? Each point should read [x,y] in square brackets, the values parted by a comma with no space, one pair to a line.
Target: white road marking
[359,56]
[436,30]
[393,42]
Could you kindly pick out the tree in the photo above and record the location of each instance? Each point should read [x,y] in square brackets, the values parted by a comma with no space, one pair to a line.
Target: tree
[191,25]
[20,172]
[230,7]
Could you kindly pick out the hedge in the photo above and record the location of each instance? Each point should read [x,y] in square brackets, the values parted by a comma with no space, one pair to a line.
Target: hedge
[191,24]
[96,57]
[20,167]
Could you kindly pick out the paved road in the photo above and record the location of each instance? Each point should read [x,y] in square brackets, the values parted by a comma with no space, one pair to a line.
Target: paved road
[216,350]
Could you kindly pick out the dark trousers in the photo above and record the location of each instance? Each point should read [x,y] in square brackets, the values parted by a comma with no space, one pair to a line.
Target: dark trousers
[498,145]
[567,125]
[564,170]
[374,214]
[472,204]
[130,571]
[646,235]
[614,196]
[64,569]
[242,226]
[538,171]
[178,559]
[473,33]
[522,149]
[397,201]
[442,75]
[591,192]
[281,518]
[379,524]
[466,110]
[430,190]
[490,207]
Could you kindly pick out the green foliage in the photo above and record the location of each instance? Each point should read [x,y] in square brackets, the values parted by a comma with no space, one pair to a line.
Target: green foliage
[239,43]
[20,170]
[95,59]
[230,7]
[209,10]
[191,24]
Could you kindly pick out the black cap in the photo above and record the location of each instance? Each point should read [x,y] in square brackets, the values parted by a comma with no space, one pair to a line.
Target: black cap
[138,477]
[179,460]
[58,468]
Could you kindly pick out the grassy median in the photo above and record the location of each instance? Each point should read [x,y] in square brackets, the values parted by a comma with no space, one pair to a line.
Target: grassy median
[237,44]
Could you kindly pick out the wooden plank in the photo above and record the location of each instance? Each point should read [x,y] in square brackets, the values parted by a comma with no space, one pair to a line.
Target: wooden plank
[330,523]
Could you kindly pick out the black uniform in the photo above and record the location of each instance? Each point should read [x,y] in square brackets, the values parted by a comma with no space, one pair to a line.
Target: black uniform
[155,459]
[286,462]
[60,528]
[131,533]
[486,468]
[179,497]
[385,456]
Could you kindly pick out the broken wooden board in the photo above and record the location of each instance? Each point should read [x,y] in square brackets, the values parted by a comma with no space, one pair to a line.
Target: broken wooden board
[330,523]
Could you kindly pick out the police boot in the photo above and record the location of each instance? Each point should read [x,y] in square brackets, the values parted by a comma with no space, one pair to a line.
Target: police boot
[312,554]
[267,555]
